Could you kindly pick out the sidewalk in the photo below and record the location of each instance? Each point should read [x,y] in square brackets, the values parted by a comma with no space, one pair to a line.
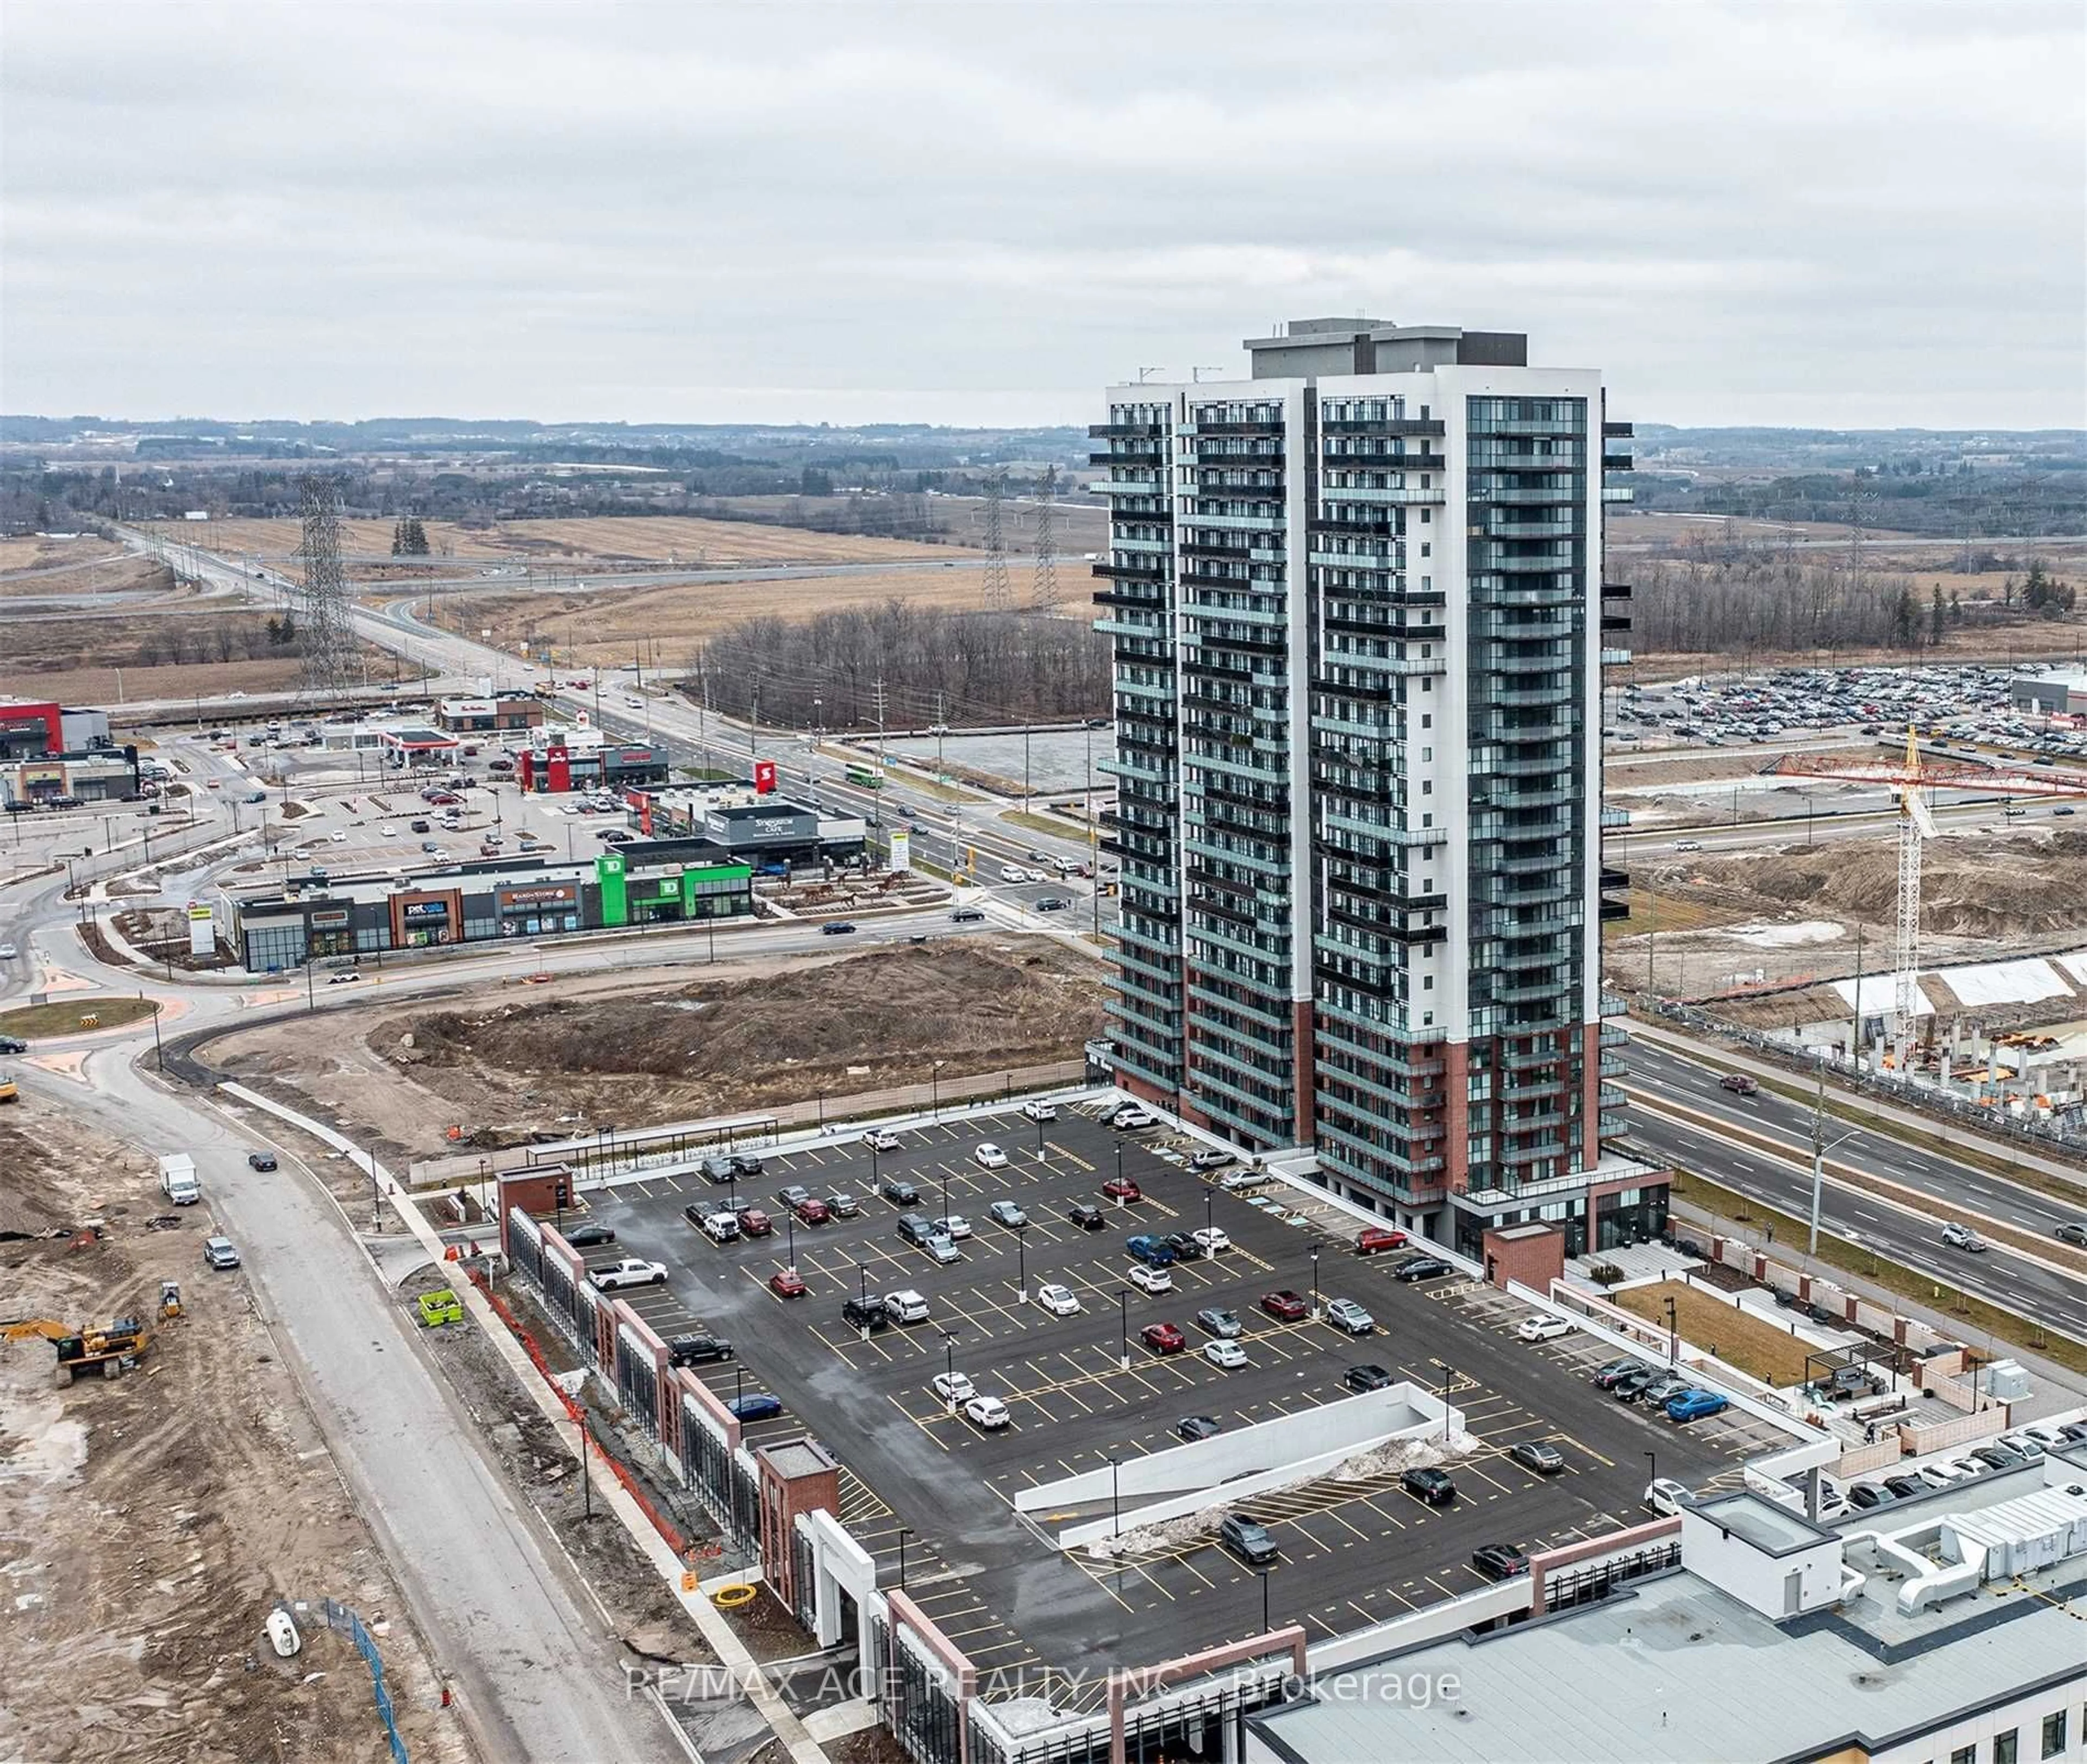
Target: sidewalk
[1879,1110]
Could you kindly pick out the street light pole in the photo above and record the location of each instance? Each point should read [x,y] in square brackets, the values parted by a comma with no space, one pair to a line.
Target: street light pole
[1022,1264]
[1115,1499]
[1315,1282]
[1123,1309]
[949,1365]
[1673,1336]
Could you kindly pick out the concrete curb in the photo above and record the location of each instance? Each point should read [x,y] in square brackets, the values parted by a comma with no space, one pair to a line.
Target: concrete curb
[723,1642]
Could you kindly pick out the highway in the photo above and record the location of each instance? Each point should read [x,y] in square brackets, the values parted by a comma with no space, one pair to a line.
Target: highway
[1898,1231]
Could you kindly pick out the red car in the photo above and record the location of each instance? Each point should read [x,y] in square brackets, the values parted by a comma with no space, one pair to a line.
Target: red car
[1122,1188]
[1375,1239]
[786,1282]
[1162,1338]
[754,1223]
[812,1211]
[1285,1306]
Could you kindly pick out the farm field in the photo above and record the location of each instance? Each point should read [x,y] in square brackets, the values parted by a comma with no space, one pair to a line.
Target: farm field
[595,545]
[587,627]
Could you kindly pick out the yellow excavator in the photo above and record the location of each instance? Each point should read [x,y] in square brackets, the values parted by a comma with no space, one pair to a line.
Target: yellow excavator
[107,1348]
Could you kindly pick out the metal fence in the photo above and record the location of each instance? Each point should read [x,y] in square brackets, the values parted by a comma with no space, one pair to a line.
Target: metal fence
[2066,1132]
[343,1619]
[1582,1585]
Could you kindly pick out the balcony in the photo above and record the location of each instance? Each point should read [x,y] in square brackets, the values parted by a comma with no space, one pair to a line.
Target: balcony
[1385,425]
[1614,910]
[1613,658]
[1409,497]
[1618,495]
[1378,460]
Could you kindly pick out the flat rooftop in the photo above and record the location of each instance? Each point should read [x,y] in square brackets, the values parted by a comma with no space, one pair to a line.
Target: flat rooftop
[1675,1668]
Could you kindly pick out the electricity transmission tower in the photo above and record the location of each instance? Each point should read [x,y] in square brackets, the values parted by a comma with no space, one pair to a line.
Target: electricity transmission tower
[1044,590]
[326,632]
[996,595]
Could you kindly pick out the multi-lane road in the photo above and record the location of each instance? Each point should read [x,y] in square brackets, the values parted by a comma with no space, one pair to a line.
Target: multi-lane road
[1905,1229]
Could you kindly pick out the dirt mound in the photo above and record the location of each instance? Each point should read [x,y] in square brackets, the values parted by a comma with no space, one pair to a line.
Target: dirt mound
[849,1026]
[1985,887]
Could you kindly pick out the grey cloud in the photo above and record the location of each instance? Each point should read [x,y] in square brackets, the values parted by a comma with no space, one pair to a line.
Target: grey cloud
[1745,212]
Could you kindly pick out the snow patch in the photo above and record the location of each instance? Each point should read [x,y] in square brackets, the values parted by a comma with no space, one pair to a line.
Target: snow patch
[1810,930]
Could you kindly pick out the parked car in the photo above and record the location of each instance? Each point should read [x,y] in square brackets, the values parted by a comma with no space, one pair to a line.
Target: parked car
[1211,1240]
[1285,1306]
[812,1211]
[1129,1117]
[1162,1338]
[793,1196]
[1060,1301]
[990,1157]
[881,1140]
[1192,1428]
[1421,1268]
[906,1305]
[1541,1327]
[590,1236]
[953,1387]
[865,1313]
[842,1204]
[1437,1488]
[632,1270]
[1367,1377]
[1008,1213]
[1350,1318]
[720,1170]
[1862,1496]
[721,1226]
[1627,1388]
[697,1350]
[1150,1280]
[746,1163]
[2023,1445]
[1123,1188]
[1533,1455]
[1086,1217]
[219,1253]
[1213,1320]
[1246,1539]
[756,1406]
[1664,1389]
[1151,1251]
[1500,1561]
[1036,1110]
[988,1413]
[1606,1376]
[1228,1355]
[1695,1405]
[1374,1240]
[899,1192]
[755,1222]
[941,1250]
[788,1282]
[1666,1497]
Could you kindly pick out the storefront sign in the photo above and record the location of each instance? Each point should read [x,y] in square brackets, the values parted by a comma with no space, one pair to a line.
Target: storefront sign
[333,919]
[511,898]
[425,909]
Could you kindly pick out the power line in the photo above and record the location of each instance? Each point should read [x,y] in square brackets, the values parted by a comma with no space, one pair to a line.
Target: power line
[326,637]
[998,595]
[1044,590]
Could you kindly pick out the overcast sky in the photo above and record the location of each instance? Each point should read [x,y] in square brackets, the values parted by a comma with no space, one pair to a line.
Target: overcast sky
[1862,216]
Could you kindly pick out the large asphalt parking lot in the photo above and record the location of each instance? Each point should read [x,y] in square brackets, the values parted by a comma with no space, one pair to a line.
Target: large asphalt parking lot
[1353,1552]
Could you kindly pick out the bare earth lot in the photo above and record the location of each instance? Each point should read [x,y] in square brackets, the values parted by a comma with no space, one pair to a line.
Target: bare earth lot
[639,1050]
[1793,912]
[592,544]
[149,1522]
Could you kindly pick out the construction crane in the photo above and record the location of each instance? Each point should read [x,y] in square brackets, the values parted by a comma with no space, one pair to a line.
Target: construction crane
[1908,779]
[105,1348]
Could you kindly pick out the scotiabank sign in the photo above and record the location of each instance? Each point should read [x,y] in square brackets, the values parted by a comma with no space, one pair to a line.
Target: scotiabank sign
[764,777]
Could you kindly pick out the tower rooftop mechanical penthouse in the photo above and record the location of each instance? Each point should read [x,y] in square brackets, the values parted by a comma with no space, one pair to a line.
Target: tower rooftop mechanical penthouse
[1360,634]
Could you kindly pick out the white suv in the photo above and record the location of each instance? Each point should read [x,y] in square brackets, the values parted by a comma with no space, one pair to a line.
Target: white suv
[1040,1111]
[1151,1280]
